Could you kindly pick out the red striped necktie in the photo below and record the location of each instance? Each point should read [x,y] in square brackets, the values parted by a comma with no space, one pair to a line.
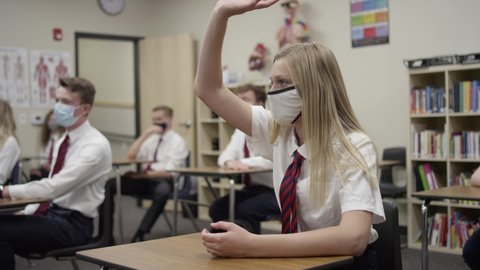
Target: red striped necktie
[288,194]
[62,153]
[149,166]
[247,180]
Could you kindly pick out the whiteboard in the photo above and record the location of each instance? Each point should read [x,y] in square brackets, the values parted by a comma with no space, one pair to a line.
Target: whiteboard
[116,121]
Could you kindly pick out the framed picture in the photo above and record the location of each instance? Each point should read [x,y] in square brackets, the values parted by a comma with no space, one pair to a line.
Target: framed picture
[369,20]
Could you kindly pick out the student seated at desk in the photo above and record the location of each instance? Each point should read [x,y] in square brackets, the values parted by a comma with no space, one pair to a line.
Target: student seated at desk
[256,201]
[166,150]
[9,148]
[324,165]
[76,185]
[471,249]
[49,135]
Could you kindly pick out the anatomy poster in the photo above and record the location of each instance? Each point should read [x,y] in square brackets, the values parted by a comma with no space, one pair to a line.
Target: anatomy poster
[14,76]
[46,68]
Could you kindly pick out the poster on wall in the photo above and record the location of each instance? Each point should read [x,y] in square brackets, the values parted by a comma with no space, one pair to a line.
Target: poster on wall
[46,68]
[14,76]
[369,20]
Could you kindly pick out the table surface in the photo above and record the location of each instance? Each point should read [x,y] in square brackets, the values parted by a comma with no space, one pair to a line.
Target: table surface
[453,192]
[188,252]
[7,203]
[217,171]
[121,162]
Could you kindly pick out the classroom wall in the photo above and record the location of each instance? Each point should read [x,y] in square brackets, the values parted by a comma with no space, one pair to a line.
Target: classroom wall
[376,79]
[28,24]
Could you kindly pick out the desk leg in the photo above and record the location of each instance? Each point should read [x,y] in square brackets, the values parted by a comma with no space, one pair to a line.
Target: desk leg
[175,201]
[231,204]
[119,202]
[425,204]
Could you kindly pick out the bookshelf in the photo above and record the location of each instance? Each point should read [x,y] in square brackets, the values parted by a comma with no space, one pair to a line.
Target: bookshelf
[444,138]
[213,136]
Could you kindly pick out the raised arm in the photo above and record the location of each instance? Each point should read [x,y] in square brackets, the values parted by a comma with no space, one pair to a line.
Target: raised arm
[209,85]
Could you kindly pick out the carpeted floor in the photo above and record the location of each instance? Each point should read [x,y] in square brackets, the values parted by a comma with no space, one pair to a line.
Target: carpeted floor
[132,214]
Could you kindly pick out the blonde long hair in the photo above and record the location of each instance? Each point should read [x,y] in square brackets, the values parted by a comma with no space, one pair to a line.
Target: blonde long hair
[7,122]
[326,114]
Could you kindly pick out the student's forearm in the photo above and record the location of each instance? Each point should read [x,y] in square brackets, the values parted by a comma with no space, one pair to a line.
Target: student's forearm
[135,147]
[476,178]
[328,241]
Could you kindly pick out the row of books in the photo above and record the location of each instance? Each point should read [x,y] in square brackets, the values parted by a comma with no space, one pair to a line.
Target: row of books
[465,144]
[425,175]
[439,235]
[428,144]
[427,100]
[465,96]
[461,228]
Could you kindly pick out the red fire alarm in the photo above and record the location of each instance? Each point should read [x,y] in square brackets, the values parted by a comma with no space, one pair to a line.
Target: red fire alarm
[57,34]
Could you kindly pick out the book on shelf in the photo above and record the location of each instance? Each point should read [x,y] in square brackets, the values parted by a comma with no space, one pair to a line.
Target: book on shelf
[427,100]
[465,97]
[427,177]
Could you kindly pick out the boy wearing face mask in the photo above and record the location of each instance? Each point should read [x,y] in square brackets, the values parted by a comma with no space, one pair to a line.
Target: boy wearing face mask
[166,150]
[81,162]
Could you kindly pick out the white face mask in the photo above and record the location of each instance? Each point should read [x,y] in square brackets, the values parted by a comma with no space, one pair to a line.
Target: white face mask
[286,105]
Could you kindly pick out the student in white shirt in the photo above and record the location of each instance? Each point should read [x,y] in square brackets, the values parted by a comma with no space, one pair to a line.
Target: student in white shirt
[9,148]
[75,189]
[166,150]
[49,135]
[256,201]
[311,119]
[471,249]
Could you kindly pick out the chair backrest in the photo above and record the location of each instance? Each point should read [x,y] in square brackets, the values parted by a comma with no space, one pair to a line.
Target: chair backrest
[184,192]
[392,153]
[14,175]
[387,246]
[104,236]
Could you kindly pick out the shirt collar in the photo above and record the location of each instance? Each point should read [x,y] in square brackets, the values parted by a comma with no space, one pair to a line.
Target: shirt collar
[294,146]
[79,131]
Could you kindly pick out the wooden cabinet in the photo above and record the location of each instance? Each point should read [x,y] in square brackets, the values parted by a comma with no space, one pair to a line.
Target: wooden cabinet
[443,149]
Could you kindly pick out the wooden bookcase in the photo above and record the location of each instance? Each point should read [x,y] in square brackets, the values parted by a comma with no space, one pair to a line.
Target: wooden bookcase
[440,151]
[213,136]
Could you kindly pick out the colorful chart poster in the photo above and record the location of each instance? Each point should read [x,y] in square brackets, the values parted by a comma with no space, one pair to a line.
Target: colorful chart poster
[46,68]
[369,22]
[14,76]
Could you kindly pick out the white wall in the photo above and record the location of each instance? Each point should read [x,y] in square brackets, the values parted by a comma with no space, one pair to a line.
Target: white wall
[375,76]
[29,23]
[376,79]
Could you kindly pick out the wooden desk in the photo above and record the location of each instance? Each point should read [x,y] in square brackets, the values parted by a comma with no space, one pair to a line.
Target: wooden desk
[188,252]
[8,204]
[116,164]
[451,193]
[210,172]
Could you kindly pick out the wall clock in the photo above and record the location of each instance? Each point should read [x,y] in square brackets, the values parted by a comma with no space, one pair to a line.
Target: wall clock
[111,7]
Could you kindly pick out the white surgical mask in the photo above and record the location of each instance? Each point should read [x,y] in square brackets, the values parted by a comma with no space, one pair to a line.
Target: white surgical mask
[64,114]
[285,104]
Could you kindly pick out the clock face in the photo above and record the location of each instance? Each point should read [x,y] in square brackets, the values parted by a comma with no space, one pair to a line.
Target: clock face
[111,7]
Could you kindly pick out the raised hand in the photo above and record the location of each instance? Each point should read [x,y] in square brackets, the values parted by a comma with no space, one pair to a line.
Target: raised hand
[235,7]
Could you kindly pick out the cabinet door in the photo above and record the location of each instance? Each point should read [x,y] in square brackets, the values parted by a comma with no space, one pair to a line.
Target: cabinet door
[166,78]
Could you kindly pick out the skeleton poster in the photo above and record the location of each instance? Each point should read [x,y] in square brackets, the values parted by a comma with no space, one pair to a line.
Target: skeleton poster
[14,76]
[46,69]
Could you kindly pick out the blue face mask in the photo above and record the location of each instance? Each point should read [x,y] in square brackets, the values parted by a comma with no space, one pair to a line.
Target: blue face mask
[64,114]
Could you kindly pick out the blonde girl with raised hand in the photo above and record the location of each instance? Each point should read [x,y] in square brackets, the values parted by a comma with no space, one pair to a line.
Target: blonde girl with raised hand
[9,148]
[324,166]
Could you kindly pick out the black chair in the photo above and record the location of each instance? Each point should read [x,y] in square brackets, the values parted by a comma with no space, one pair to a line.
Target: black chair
[103,238]
[15,175]
[388,188]
[387,246]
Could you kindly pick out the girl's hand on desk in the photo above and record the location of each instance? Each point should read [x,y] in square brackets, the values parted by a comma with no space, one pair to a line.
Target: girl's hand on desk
[236,165]
[235,242]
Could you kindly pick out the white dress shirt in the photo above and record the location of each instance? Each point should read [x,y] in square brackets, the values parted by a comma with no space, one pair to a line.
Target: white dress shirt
[354,194]
[80,184]
[171,153]
[234,151]
[45,153]
[9,154]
